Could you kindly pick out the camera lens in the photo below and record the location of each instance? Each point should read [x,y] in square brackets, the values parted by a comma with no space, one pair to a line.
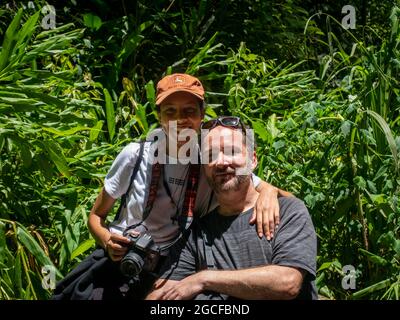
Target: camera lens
[131,264]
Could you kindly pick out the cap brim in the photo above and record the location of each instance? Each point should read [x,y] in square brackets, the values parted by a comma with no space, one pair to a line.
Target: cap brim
[166,94]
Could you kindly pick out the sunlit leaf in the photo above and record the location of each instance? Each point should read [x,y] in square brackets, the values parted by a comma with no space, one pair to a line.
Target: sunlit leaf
[82,248]
[368,290]
[57,157]
[33,247]
[92,21]
[110,114]
[374,258]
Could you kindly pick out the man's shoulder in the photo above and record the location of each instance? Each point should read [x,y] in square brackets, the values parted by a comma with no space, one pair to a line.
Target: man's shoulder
[291,201]
[291,206]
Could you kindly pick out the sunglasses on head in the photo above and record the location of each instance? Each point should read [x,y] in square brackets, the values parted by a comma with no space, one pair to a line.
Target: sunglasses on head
[226,121]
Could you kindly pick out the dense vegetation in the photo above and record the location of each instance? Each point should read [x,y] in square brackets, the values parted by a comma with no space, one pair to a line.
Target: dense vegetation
[324,103]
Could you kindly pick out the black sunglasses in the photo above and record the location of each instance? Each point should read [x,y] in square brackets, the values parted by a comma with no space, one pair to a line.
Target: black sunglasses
[226,121]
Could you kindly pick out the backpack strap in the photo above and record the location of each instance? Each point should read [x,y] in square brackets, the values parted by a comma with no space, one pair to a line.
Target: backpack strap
[134,172]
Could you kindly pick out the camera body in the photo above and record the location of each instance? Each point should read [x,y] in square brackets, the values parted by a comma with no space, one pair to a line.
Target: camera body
[141,255]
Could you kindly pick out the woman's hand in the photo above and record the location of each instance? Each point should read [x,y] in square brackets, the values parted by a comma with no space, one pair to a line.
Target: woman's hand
[266,210]
[117,246]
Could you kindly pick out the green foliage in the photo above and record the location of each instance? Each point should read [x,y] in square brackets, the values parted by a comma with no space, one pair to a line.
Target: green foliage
[53,151]
[92,21]
[324,105]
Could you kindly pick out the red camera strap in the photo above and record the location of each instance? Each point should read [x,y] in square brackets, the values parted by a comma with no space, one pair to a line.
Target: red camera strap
[190,193]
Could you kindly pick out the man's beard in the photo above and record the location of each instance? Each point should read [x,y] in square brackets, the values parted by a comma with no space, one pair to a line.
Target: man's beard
[227,183]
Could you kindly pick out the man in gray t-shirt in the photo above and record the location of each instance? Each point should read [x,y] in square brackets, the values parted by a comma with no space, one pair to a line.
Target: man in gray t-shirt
[222,256]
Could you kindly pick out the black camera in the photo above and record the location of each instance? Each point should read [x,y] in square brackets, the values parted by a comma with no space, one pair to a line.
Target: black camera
[142,255]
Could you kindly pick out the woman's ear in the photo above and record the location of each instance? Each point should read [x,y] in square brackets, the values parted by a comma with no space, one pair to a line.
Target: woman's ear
[203,111]
[255,161]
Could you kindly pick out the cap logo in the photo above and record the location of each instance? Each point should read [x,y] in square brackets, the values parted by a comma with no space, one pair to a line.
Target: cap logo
[178,79]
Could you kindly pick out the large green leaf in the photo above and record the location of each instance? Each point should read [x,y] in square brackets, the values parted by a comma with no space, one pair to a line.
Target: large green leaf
[92,21]
[48,99]
[9,41]
[25,34]
[389,137]
[151,94]
[95,131]
[260,130]
[33,247]
[66,133]
[110,114]
[141,117]
[368,290]
[374,258]
[57,156]
[82,248]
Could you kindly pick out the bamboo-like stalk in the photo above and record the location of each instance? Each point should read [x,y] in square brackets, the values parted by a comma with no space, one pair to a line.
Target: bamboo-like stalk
[360,210]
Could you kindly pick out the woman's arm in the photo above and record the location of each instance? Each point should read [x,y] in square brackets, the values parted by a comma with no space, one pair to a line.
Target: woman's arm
[113,243]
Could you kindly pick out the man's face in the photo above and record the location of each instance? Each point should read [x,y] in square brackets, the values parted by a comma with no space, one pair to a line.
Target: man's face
[184,108]
[227,157]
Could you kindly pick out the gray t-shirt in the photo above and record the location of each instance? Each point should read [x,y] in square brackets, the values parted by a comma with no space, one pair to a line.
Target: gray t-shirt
[236,245]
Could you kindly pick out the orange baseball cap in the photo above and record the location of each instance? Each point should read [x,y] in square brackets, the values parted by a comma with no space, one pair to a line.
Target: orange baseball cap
[179,82]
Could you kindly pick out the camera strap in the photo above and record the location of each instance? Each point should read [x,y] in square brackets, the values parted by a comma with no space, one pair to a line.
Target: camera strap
[185,218]
[133,175]
[186,215]
[155,177]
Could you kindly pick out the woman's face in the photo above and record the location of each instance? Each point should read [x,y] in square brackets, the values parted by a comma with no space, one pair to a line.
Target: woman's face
[185,109]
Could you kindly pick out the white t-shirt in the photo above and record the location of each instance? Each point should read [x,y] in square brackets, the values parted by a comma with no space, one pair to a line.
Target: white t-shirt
[159,222]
